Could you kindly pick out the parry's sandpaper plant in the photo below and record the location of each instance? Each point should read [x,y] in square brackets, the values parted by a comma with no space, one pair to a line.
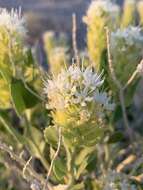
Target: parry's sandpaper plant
[72,124]
[77,101]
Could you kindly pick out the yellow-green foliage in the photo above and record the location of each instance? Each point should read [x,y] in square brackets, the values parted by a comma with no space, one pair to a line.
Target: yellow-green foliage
[140,11]
[4,94]
[11,54]
[14,56]
[56,51]
[129,10]
[49,41]
[99,14]
[11,51]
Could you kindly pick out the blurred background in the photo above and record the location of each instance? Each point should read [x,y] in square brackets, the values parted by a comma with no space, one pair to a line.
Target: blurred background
[42,15]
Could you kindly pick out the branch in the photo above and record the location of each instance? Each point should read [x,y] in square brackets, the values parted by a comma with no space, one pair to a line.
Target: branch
[139,70]
[131,79]
[25,167]
[54,158]
[22,162]
[118,84]
[115,80]
[74,38]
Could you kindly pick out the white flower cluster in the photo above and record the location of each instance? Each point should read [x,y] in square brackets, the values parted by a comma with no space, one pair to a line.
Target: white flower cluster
[130,35]
[99,6]
[13,21]
[117,181]
[76,87]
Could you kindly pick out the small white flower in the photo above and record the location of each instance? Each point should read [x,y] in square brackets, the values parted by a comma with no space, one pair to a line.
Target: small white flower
[104,100]
[12,21]
[130,35]
[92,79]
[75,73]
[82,97]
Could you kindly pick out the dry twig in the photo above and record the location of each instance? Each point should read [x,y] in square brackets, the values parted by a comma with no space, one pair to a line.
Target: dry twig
[22,162]
[131,79]
[74,38]
[118,84]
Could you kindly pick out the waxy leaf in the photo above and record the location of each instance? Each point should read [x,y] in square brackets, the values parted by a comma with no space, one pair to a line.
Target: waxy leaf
[22,97]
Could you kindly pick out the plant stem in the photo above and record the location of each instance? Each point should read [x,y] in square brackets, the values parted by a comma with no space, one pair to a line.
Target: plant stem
[41,156]
[9,128]
[74,38]
[54,158]
[22,162]
[118,84]
[131,79]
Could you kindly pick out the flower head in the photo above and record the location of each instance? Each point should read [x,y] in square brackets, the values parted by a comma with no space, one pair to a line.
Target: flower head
[99,7]
[12,21]
[77,90]
[126,49]
[129,35]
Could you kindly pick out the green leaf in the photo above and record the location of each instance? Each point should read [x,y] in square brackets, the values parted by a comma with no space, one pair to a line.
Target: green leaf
[117,114]
[6,75]
[81,168]
[10,129]
[59,169]
[130,91]
[83,135]
[35,139]
[22,97]
[92,136]
[68,155]
[79,186]
[83,154]
[105,67]
[116,137]
[92,163]
[30,59]
[51,135]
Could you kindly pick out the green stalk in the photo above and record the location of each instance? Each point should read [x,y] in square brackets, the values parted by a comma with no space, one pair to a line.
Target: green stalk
[40,155]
